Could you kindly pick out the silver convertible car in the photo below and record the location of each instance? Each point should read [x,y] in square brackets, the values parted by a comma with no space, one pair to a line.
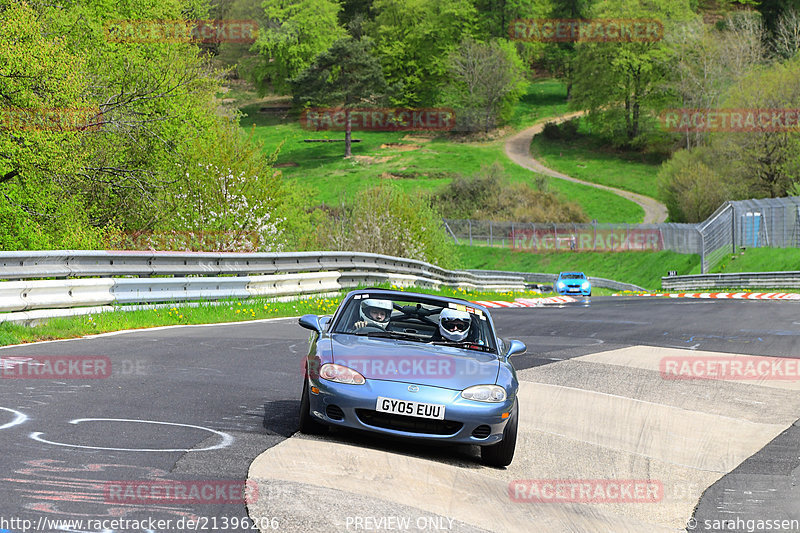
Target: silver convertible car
[413,366]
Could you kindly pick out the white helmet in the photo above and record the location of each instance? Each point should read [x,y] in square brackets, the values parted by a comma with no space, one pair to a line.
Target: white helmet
[454,325]
[376,312]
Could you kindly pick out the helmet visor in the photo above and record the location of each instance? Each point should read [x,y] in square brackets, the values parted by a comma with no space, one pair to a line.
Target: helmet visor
[455,324]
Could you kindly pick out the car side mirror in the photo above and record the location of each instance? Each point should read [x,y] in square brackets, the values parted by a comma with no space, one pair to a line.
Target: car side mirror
[324,321]
[515,348]
[310,322]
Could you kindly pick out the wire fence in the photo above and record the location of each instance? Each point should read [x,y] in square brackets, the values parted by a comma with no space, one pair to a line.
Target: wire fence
[773,222]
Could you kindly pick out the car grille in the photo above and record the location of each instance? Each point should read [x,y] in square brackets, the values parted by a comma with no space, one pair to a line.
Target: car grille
[334,412]
[410,424]
[481,432]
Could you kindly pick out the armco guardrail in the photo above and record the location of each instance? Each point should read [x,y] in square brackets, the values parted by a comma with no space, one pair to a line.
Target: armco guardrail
[744,280]
[537,277]
[93,281]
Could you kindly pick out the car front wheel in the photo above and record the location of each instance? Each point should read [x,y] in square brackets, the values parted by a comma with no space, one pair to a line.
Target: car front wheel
[502,453]
[308,425]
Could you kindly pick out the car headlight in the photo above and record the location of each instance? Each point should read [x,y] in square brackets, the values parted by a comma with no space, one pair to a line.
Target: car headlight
[560,285]
[485,393]
[341,374]
[585,285]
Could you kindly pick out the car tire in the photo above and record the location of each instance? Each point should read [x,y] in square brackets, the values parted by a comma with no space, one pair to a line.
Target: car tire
[308,425]
[502,453]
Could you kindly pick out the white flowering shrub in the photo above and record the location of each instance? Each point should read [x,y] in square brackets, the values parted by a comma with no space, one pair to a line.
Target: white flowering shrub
[226,199]
[385,220]
[220,209]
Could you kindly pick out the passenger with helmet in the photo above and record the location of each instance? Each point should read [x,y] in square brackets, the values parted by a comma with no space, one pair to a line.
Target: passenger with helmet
[454,324]
[375,313]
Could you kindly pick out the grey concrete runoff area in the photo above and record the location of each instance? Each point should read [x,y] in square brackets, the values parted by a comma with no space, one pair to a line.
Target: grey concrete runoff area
[609,439]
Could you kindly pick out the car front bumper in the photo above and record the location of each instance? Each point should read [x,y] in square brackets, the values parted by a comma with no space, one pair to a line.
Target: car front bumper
[574,290]
[356,405]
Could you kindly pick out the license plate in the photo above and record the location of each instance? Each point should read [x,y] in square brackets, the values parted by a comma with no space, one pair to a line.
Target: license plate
[404,407]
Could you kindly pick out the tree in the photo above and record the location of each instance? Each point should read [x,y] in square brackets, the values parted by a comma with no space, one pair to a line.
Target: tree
[786,40]
[771,11]
[345,75]
[706,62]
[559,57]
[298,32]
[766,159]
[486,82]
[620,81]
[413,39]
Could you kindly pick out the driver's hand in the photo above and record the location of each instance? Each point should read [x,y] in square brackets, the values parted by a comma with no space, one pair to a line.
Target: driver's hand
[360,324]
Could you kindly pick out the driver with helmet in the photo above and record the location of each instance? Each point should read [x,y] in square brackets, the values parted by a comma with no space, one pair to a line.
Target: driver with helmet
[375,313]
[454,324]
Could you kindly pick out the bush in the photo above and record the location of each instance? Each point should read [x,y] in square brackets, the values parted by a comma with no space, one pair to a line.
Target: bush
[489,196]
[565,131]
[384,220]
[690,187]
[551,131]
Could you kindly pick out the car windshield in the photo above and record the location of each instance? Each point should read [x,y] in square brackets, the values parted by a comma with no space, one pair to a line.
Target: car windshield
[572,276]
[416,319]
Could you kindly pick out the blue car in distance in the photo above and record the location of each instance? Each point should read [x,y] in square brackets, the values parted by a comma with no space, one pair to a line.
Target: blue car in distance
[573,283]
[413,366]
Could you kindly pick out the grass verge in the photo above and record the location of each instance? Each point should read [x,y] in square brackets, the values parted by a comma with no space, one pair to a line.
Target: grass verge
[640,268]
[759,260]
[584,159]
[207,313]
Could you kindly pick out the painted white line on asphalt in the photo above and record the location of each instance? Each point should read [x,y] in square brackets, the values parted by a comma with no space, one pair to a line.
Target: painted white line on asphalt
[19,418]
[226,441]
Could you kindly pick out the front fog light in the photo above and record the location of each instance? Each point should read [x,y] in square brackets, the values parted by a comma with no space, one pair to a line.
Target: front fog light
[485,393]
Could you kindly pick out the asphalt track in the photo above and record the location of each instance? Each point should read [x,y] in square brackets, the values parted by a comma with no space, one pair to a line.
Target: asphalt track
[218,402]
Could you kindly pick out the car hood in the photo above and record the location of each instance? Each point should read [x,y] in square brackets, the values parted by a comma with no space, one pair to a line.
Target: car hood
[413,362]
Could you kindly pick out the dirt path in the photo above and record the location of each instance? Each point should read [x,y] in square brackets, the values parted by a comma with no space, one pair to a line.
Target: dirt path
[518,150]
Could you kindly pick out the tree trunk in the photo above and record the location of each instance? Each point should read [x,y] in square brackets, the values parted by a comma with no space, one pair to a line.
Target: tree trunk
[347,133]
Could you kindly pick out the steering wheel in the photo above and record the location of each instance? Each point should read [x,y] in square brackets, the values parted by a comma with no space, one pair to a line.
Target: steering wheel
[368,329]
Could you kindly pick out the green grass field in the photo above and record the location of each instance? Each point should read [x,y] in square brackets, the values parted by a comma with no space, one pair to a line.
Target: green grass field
[415,161]
[583,159]
[640,268]
[542,99]
[760,260]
